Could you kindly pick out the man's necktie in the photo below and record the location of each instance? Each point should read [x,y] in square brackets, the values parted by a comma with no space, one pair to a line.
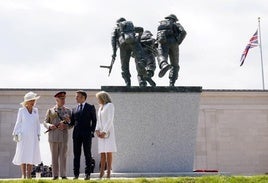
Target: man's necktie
[80,107]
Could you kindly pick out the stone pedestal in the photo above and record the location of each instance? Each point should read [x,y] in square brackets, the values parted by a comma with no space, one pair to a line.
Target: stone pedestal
[155,128]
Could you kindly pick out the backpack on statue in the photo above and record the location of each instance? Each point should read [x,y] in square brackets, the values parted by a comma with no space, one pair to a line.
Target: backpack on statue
[127,31]
[164,30]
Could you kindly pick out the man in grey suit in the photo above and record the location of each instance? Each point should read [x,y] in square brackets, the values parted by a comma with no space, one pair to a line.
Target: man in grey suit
[56,121]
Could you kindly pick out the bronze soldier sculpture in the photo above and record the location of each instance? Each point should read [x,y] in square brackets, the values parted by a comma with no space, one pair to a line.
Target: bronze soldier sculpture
[126,37]
[170,35]
[148,44]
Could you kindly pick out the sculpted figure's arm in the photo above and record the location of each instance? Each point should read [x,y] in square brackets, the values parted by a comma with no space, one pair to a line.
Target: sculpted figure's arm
[181,33]
[114,41]
[139,31]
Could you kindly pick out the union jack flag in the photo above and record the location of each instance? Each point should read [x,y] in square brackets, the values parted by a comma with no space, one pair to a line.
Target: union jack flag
[253,42]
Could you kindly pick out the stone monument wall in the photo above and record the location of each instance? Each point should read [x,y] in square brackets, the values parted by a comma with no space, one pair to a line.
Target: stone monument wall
[155,128]
[232,131]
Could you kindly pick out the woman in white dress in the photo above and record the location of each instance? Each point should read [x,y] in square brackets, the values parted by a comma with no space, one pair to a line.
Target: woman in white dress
[27,135]
[105,132]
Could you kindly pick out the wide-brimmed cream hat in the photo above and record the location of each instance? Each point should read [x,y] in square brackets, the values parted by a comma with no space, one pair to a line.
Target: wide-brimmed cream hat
[29,96]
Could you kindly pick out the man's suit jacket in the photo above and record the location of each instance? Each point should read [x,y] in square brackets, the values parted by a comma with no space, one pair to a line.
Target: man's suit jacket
[52,117]
[84,121]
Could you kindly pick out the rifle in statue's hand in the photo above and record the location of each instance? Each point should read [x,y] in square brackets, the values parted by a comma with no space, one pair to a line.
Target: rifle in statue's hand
[110,67]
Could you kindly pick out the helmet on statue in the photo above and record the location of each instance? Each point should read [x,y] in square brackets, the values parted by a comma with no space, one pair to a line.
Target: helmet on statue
[120,20]
[172,16]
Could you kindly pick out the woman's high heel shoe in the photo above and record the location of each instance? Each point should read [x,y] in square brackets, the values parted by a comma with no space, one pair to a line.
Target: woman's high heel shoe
[108,174]
[101,174]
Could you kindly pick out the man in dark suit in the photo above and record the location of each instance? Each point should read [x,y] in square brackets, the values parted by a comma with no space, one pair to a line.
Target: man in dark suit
[84,121]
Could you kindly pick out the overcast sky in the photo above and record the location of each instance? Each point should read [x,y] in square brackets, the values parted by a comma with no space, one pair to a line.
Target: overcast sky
[61,43]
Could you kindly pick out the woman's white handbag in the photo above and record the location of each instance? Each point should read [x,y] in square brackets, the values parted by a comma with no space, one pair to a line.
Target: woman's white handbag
[17,138]
[107,135]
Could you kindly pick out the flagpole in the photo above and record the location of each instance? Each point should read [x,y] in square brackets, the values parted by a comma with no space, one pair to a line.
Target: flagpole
[260,45]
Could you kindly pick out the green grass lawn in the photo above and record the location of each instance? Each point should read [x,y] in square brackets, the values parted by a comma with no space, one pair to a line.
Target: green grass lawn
[204,179]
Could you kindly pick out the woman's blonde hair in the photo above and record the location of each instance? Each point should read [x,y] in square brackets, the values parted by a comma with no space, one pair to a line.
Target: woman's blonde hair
[104,97]
[24,104]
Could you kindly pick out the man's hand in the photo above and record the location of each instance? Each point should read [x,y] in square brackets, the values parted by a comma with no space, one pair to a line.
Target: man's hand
[62,126]
[52,127]
[102,135]
[68,120]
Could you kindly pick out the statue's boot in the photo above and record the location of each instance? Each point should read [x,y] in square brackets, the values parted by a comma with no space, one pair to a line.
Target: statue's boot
[143,84]
[142,81]
[172,83]
[128,82]
[126,76]
[173,75]
[150,81]
[141,69]
[164,68]
[149,78]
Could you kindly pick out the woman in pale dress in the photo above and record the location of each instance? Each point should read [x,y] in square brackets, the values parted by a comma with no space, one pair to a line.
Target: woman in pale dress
[105,132]
[27,135]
